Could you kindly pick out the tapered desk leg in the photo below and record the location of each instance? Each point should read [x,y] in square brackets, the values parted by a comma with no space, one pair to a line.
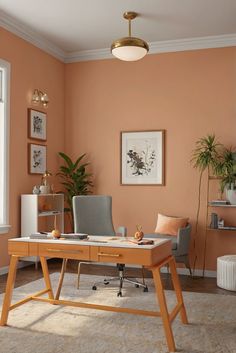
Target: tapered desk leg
[9,289]
[63,270]
[163,308]
[46,277]
[178,291]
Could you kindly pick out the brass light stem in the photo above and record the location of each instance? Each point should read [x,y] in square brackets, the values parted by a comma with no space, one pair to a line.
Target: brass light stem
[129,27]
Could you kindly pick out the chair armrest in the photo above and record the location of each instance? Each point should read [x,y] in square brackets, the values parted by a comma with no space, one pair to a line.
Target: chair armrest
[121,231]
[183,240]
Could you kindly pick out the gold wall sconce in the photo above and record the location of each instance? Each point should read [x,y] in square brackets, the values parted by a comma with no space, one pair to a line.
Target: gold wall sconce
[40,97]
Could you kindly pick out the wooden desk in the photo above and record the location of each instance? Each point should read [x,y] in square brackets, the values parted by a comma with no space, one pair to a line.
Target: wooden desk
[109,250]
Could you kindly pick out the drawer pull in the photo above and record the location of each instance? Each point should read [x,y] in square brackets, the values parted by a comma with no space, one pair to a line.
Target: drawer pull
[65,251]
[110,255]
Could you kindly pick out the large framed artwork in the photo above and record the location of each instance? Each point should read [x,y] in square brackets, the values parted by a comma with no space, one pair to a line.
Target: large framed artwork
[37,125]
[142,157]
[37,158]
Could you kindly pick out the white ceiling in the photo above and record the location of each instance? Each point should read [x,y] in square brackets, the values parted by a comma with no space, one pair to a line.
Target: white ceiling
[78,26]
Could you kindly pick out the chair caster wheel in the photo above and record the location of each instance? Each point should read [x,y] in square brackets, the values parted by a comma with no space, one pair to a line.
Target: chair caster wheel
[145,289]
[94,288]
[119,294]
[106,282]
[136,285]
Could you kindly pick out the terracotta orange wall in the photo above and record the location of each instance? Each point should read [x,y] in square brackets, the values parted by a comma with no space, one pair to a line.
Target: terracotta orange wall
[189,94]
[30,68]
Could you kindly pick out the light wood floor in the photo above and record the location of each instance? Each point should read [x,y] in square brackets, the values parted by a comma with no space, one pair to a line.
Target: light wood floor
[197,284]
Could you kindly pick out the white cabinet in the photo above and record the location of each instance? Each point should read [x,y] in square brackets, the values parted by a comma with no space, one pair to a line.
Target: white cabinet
[41,213]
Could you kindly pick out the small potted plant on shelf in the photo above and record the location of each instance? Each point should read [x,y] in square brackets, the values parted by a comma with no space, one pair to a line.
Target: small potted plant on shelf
[226,170]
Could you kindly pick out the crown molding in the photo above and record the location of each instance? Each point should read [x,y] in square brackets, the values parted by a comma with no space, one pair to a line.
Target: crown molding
[209,42]
[88,55]
[30,36]
[168,46]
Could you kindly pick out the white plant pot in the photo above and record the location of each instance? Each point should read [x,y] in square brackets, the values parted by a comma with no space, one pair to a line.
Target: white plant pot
[231,196]
[44,189]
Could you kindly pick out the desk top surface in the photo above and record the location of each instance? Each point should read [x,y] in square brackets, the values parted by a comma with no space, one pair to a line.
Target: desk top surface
[106,241]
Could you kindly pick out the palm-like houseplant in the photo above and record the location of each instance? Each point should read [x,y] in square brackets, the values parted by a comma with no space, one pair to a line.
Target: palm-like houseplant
[205,157]
[75,180]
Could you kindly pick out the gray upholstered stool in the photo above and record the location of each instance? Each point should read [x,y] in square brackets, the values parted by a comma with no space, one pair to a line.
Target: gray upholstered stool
[226,272]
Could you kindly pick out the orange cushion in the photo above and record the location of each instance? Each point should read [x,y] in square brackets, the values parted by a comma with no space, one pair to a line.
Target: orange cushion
[169,225]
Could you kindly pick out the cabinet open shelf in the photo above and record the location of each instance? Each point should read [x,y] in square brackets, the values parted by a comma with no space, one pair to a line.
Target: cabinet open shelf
[217,208]
[41,213]
[222,229]
[229,206]
[49,213]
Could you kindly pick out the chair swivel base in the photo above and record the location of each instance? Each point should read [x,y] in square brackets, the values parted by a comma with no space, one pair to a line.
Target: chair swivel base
[123,279]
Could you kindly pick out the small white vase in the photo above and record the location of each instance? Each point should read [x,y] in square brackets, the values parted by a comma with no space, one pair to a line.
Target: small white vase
[231,196]
[36,189]
[45,189]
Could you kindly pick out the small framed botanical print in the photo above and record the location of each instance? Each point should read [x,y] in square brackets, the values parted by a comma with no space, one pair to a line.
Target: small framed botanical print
[37,158]
[37,125]
[142,157]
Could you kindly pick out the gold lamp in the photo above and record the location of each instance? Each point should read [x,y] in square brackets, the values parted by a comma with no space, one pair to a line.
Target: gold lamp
[40,97]
[45,178]
[129,48]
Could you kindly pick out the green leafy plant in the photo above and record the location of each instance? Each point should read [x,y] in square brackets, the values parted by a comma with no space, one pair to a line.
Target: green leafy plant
[205,157]
[206,153]
[226,169]
[75,180]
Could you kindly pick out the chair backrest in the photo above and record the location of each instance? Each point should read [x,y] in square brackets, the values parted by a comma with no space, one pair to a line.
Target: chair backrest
[183,239]
[93,215]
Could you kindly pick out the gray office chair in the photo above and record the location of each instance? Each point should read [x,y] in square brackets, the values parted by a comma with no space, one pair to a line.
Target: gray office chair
[180,244]
[93,216]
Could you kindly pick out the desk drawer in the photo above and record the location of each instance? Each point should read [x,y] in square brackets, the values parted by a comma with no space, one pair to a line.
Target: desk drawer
[18,248]
[64,251]
[124,255]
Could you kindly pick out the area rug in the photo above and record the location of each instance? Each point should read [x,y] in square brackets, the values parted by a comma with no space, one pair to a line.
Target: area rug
[38,327]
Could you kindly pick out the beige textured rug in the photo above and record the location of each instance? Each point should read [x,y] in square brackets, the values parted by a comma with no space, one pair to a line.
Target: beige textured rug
[42,328]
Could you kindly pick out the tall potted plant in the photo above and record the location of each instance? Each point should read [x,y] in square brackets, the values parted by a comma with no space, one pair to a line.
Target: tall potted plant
[75,180]
[205,157]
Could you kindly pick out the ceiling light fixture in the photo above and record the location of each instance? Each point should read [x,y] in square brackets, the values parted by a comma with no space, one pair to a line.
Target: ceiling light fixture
[40,97]
[129,48]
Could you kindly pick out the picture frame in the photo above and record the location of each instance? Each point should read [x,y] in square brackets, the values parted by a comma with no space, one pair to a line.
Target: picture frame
[37,125]
[142,157]
[37,158]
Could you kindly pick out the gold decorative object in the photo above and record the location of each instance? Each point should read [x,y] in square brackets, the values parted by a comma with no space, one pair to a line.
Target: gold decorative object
[139,234]
[129,48]
[40,97]
[56,232]
[45,187]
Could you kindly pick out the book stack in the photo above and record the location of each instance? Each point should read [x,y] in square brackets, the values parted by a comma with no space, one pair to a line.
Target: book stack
[42,235]
[214,221]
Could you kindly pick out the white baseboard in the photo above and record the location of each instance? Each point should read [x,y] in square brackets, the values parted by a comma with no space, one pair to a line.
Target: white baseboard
[197,273]
[4,270]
